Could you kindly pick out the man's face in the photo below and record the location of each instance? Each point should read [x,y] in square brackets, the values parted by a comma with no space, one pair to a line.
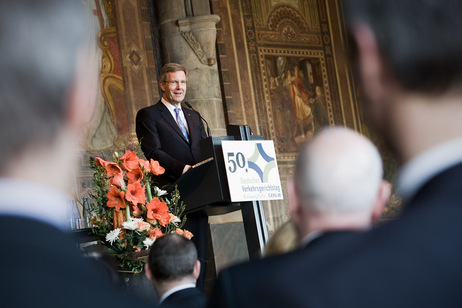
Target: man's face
[174,87]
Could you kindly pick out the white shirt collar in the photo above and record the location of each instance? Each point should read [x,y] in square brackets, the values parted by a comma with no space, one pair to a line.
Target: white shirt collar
[423,167]
[170,107]
[34,201]
[176,289]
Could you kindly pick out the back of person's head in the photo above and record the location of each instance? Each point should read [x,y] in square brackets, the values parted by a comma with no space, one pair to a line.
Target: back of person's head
[40,43]
[172,257]
[420,40]
[339,171]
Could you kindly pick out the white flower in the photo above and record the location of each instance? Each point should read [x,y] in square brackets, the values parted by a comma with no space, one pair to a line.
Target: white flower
[160,192]
[176,220]
[132,224]
[113,235]
[148,242]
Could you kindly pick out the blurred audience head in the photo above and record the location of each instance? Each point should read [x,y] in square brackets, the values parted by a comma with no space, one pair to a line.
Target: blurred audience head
[417,62]
[337,183]
[47,80]
[406,56]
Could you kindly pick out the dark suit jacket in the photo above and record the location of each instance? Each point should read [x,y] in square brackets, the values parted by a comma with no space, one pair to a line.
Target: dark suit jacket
[187,298]
[40,266]
[414,261]
[161,139]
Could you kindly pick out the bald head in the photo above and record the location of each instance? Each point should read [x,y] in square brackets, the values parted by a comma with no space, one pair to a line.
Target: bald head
[338,172]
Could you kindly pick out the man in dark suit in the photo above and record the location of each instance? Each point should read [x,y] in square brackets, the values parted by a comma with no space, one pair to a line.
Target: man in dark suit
[168,132]
[337,192]
[48,84]
[407,56]
[173,269]
[171,134]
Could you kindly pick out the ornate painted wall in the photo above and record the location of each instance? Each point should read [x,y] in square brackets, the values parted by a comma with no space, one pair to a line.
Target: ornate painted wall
[283,74]
[281,71]
[128,80]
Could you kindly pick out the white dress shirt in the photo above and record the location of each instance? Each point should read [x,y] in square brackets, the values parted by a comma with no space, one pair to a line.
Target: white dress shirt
[34,201]
[171,108]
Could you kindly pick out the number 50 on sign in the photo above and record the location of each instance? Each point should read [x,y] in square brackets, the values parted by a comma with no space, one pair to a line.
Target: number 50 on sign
[252,171]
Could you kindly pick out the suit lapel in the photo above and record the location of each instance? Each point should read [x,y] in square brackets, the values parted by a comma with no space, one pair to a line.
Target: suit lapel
[170,120]
[191,123]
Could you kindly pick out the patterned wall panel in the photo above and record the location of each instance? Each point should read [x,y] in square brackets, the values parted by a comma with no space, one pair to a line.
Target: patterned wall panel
[128,80]
[283,74]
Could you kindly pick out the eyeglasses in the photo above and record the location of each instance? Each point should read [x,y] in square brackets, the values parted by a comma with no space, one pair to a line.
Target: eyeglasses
[175,82]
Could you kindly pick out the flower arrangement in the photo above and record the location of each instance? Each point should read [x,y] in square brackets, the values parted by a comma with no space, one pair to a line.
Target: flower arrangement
[130,211]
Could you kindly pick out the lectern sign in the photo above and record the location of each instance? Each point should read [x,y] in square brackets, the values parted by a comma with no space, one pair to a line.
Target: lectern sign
[252,170]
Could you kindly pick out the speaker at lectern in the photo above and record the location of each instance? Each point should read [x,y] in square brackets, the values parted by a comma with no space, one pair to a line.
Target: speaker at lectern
[205,187]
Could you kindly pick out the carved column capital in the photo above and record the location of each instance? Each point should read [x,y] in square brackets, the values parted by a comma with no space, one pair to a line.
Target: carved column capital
[200,34]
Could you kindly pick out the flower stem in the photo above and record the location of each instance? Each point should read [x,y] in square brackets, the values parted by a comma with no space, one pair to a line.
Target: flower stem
[148,189]
[127,207]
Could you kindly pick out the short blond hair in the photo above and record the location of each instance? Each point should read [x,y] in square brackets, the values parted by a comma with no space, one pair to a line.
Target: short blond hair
[170,68]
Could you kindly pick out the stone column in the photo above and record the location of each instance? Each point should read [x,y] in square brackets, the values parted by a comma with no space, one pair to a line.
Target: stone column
[191,41]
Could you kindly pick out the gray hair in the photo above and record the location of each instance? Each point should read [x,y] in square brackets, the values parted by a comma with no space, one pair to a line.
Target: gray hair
[39,44]
[338,171]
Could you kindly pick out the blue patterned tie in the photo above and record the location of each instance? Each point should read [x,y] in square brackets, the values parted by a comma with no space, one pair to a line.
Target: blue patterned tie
[181,124]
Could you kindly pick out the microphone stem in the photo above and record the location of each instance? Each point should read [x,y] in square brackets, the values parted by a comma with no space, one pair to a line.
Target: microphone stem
[209,133]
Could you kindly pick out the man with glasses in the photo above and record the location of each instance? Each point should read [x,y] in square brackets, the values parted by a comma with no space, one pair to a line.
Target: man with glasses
[171,135]
[168,132]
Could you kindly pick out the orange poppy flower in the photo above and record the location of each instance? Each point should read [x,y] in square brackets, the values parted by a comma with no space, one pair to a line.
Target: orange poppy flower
[130,160]
[100,162]
[118,180]
[134,175]
[184,233]
[155,167]
[187,234]
[116,198]
[136,193]
[142,226]
[158,210]
[145,165]
[155,233]
[112,169]
[173,219]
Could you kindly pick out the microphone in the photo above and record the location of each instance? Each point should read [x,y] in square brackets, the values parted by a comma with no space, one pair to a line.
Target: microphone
[208,128]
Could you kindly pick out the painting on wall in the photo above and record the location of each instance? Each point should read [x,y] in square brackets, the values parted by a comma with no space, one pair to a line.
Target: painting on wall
[110,124]
[297,96]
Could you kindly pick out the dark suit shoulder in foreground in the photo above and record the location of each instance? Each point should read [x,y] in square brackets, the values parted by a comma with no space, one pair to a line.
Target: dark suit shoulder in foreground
[41,267]
[411,262]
